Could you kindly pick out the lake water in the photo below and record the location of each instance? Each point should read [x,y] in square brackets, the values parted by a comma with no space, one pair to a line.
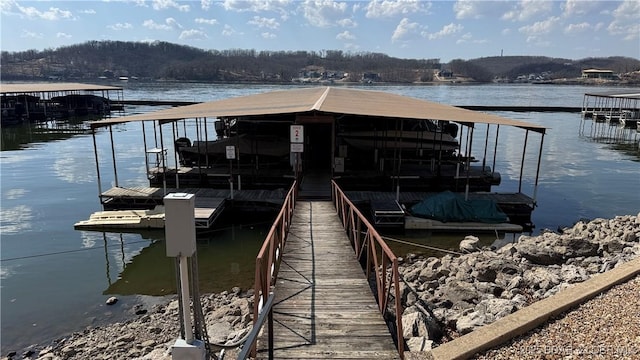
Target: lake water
[55,280]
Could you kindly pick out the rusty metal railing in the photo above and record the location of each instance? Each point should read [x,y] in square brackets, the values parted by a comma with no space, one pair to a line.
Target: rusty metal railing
[380,259]
[270,256]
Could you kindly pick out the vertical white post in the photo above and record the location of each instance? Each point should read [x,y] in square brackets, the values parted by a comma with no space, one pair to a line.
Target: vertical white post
[186,300]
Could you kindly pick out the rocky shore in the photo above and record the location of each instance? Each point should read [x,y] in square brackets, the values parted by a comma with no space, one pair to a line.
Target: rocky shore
[443,297]
[150,335]
[450,296]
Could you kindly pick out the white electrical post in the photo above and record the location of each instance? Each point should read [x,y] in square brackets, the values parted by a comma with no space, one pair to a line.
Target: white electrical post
[180,234]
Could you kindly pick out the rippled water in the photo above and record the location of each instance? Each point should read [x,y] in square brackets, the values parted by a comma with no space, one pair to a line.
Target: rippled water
[54,279]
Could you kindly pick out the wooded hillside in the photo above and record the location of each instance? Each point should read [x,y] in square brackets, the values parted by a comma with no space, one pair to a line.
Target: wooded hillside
[166,61]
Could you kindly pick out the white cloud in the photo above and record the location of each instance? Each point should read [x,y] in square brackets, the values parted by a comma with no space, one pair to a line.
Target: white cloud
[468,38]
[120,26]
[206,21]
[262,22]
[150,24]
[447,30]
[230,31]
[51,14]
[169,4]
[256,5]
[7,6]
[626,20]
[466,9]
[577,28]
[345,35]
[61,35]
[205,4]
[323,13]
[268,35]
[347,23]
[474,9]
[31,35]
[389,8]
[540,27]
[527,9]
[578,7]
[173,23]
[193,34]
[88,11]
[404,28]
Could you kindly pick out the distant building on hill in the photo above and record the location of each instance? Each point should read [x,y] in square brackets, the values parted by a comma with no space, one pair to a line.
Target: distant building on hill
[598,74]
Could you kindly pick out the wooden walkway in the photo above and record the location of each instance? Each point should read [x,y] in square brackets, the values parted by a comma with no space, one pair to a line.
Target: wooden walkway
[324,307]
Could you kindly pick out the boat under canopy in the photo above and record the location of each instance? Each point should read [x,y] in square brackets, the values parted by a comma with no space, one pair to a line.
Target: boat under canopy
[364,140]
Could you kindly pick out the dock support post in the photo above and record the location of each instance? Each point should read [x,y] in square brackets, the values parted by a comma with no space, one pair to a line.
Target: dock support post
[95,153]
[524,151]
[535,188]
[113,156]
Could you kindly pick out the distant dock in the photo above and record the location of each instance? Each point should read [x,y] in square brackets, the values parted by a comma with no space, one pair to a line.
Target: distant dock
[613,117]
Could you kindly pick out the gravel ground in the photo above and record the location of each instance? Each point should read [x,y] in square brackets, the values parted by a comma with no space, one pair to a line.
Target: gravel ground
[605,327]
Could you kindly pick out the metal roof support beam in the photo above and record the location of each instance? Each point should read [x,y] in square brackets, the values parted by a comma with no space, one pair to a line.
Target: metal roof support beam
[486,145]
[535,188]
[164,165]
[144,143]
[495,151]
[524,151]
[113,156]
[95,153]
[174,127]
[470,144]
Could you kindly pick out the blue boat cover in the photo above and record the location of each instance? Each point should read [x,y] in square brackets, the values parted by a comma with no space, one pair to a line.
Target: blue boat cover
[451,207]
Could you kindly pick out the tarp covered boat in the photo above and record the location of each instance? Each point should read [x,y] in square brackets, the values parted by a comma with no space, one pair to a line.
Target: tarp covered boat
[451,207]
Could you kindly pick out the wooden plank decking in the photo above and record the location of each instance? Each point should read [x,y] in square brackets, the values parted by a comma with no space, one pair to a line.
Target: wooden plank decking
[324,306]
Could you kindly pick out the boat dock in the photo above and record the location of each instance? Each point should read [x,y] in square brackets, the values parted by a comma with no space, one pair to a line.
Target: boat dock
[324,307]
[142,207]
[612,116]
[28,102]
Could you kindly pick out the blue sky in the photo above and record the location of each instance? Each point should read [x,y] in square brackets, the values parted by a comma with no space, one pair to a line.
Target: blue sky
[573,29]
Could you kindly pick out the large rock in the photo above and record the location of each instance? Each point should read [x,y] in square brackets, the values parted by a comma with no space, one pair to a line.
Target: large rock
[457,290]
[469,244]
[419,344]
[467,323]
[418,323]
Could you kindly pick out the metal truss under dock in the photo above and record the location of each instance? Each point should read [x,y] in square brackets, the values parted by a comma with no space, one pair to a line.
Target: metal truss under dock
[324,307]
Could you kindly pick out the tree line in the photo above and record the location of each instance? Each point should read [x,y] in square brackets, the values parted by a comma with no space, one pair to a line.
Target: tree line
[167,61]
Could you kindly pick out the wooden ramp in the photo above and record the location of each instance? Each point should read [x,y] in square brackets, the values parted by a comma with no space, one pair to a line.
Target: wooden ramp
[324,307]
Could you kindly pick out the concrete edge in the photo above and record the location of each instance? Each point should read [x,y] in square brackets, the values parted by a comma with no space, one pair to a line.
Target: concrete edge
[530,317]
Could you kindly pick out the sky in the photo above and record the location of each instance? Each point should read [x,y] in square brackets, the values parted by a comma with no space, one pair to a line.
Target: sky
[410,29]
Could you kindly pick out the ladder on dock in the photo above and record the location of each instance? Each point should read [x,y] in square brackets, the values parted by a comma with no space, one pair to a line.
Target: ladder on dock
[324,307]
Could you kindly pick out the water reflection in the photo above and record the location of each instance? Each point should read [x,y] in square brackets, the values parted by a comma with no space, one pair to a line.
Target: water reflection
[22,136]
[226,258]
[15,219]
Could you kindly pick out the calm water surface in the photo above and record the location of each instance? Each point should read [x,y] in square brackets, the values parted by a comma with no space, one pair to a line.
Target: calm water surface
[54,279]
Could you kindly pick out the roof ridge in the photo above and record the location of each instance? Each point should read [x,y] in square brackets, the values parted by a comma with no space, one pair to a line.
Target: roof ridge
[321,99]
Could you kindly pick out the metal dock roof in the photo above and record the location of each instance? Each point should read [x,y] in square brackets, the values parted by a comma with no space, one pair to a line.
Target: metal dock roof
[20,88]
[324,100]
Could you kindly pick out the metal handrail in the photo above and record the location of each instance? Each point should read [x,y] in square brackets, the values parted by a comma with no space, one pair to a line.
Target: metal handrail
[363,236]
[265,315]
[270,256]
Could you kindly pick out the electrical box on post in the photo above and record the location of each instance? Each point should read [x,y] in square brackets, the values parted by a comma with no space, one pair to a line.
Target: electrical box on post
[180,224]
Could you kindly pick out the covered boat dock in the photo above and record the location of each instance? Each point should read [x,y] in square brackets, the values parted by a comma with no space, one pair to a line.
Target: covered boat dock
[411,144]
[46,101]
[612,116]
